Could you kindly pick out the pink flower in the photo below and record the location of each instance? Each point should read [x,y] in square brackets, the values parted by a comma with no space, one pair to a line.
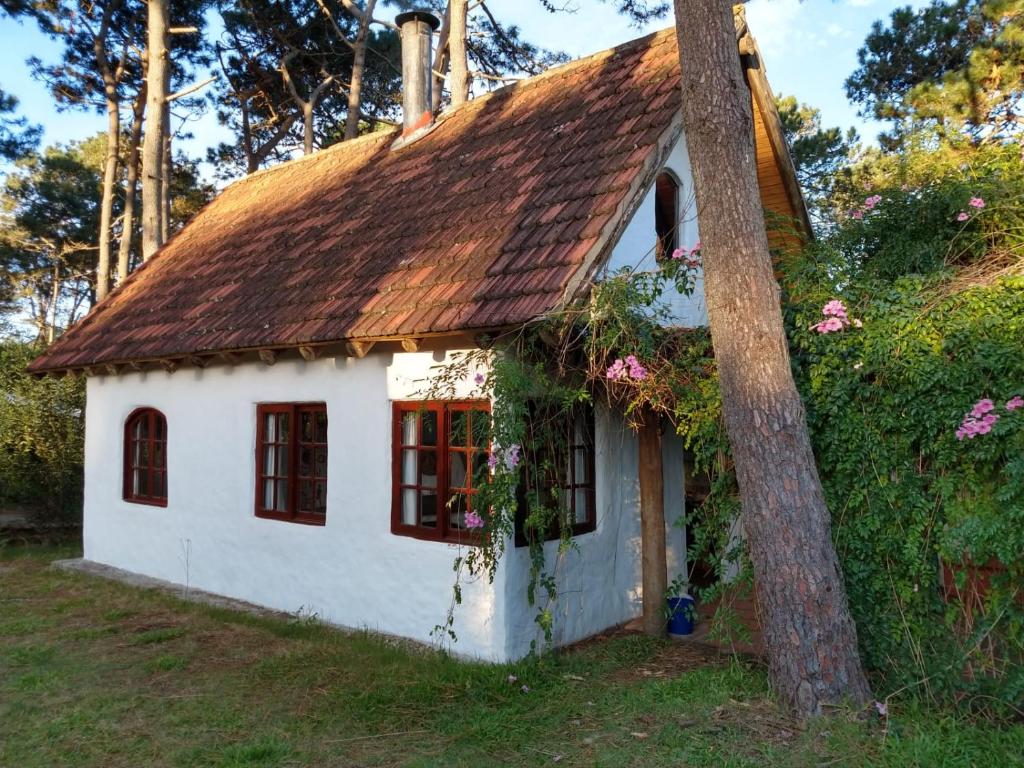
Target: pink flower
[678,253]
[696,247]
[478,379]
[473,520]
[835,308]
[858,215]
[982,407]
[881,709]
[977,202]
[872,201]
[1014,403]
[492,460]
[829,325]
[962,216]
[512,456]
[636,371]
[617,370]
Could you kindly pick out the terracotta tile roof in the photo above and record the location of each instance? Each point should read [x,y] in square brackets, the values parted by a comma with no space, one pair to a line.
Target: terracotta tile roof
[487,221]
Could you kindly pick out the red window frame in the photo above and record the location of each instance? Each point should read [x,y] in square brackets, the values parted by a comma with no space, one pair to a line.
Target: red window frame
[444,457]
[285,473]
[150,462]
[582,417]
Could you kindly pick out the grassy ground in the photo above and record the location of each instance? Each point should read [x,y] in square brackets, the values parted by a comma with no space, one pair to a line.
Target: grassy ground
[99,674]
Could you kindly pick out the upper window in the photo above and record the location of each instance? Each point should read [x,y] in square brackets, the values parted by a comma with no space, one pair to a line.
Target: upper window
[559,476]
[291,462]
[666,214]
[145,457]
[440,461]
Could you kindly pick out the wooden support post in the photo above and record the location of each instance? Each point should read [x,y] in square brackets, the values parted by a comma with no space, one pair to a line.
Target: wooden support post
[652,524]
[309,354]
[268,356]
[411,345]
[231,358]
[169,365]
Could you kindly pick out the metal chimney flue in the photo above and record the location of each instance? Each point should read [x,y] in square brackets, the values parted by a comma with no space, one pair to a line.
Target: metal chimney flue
[417,30]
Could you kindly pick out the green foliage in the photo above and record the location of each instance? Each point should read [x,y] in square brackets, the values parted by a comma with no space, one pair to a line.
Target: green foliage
[41,436]
[821,156]
[942,310]
[954,67]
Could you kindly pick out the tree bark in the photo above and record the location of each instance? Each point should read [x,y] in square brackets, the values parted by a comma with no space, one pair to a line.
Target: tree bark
[457,44]
[113,105]
[131,186]
[166,170]
[652,524]
[156,128]
[809,635]
[355,89]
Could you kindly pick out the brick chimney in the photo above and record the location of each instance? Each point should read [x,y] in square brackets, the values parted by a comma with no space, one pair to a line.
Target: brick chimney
[417,30]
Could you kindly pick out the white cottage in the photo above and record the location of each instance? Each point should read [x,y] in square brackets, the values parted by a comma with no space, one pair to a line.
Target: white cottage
[255,423]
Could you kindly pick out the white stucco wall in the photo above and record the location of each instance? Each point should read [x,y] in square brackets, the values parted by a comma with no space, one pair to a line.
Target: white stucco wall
[352,572]
[635,249]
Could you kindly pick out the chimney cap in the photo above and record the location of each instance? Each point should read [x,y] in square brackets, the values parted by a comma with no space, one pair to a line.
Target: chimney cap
[426,16]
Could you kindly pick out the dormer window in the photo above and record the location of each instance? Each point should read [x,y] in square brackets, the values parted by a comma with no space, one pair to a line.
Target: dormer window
[666,214]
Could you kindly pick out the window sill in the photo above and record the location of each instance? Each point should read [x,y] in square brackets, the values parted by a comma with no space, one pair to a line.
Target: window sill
[411,532]
[147,502]
[300,519]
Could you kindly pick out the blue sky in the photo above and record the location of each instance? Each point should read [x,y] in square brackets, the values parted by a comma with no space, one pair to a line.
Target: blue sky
[809,48]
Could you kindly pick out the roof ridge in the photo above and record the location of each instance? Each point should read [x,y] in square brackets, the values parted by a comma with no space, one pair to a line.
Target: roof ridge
[444,116]
[559,69]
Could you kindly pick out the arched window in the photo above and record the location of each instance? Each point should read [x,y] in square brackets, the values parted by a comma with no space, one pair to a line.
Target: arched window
[145,457]
[666,214]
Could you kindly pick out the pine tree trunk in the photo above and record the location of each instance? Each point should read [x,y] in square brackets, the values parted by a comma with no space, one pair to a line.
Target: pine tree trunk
[153,143]
[457,42]
[107,200]
[809,635]
[355,90]
[166,171]
[131,186]
[652,524]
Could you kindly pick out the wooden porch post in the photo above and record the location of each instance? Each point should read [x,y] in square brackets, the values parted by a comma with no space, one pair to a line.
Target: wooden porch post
[652,524]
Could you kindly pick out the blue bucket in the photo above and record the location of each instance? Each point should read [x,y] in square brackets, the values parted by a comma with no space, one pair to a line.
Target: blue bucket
[681,615]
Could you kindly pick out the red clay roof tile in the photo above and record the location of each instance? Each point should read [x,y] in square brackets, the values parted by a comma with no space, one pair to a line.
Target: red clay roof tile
[479,224]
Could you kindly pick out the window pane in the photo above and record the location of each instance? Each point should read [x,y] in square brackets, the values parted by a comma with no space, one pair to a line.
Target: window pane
[142,482]
[305,461]
[320,499]
[161,427]
[282,428]
[306,427]
[429,426]
[456,469]
[281,500]
[269,452]
[305,496]
[142,453]
[409,464]
[142,426]
[321,462]
[582,466]
[409,506]
[480,469]
[582,495]
[320,432]
[457,511]
[160,485]
[136,482]
[159,454]
[409,429]
[267,502]
[269,427]
[428,469]
[428,509]
[481,422]
[281,467]
[458,433]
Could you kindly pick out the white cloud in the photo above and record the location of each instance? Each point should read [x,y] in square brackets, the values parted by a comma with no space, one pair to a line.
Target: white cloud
[774,23]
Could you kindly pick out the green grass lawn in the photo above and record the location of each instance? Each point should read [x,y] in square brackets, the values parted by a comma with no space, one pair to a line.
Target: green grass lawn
[94,673]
